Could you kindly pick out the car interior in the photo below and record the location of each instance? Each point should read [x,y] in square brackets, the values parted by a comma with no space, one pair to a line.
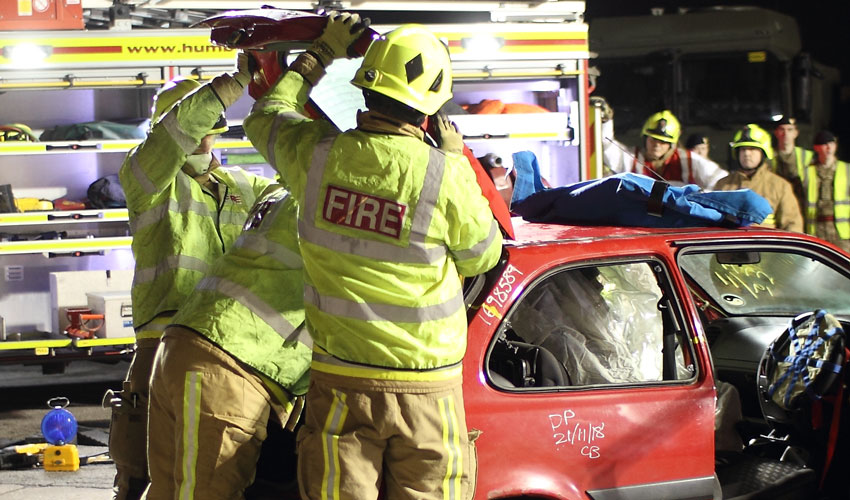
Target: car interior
[759,312]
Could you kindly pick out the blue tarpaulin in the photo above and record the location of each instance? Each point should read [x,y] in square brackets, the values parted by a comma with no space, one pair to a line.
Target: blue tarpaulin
[637,200]
[528,180]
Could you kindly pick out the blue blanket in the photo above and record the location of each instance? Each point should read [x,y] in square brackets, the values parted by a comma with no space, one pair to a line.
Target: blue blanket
[637,200]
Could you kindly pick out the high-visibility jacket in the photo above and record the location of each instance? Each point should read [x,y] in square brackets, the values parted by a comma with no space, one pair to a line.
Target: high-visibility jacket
[386,223]
[251,304]
[840,199]
[179,227]
[802,158]
[776,190]
[680,167]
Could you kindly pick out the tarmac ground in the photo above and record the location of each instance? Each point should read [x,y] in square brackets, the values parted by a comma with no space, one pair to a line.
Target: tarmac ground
[91,482]
[24,392]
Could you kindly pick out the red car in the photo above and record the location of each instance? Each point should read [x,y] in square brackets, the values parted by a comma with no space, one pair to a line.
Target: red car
[595,353]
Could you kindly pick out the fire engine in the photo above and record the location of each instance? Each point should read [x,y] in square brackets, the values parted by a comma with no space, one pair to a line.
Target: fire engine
[68,272]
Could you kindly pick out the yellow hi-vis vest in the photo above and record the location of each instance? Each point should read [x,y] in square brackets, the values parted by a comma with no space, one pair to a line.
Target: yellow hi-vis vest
[386,223]
[802,157]
[179,228]
[251,302]
[840,199]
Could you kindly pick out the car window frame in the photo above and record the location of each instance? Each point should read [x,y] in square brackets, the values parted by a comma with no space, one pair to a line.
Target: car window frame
[667,287]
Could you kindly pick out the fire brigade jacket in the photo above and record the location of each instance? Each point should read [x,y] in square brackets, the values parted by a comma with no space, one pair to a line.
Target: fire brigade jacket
[776,190]
[679,168]
[840,199]
[386,223]
[251,304]
[180,227]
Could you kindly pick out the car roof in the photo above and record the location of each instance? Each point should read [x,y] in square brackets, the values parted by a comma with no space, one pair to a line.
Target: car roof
[533,233]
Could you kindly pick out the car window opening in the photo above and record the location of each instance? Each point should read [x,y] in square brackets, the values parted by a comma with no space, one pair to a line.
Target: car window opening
[590,326]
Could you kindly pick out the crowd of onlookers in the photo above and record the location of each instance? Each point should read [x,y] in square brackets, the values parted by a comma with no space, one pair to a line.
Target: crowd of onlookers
[807,190]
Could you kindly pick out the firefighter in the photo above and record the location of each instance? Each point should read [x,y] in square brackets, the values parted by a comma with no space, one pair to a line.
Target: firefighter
[236,351]
[825,182]
[185,211]
[386,225]
[791,160]
[751,154]
[661,157]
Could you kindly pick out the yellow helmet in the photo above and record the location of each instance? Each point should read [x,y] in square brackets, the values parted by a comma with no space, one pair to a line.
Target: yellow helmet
[663,126]
[173,92]
[752,136]
[409,65]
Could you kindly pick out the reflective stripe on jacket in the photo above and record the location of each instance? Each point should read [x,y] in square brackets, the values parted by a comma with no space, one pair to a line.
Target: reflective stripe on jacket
[804,157]
[251,303]
[178,226]
[840,199]
[386,224]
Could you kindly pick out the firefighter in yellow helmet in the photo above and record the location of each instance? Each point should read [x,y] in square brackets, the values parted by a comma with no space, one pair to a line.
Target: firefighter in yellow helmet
[386,225]
[826,184]
[185,211]
[661,157]
[751,155]
[237,354]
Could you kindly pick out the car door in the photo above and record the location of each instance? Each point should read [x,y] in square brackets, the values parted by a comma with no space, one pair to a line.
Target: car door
[584,381]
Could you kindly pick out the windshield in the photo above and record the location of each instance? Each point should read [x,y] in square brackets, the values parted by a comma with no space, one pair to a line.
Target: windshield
[740,87]
[715,89]
[635,88]
[768,282]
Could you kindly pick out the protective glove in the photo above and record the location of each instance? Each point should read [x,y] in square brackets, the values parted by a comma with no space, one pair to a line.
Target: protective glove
[341,31]
[229,87]
[244,72]
[449,138]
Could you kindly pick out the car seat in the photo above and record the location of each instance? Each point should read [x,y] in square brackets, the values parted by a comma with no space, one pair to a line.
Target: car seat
[526,365]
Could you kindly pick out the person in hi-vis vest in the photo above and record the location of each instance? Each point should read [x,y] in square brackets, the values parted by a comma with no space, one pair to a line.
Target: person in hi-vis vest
[387,223]
[790,160]
[185,210]
[825,183]
[236,354]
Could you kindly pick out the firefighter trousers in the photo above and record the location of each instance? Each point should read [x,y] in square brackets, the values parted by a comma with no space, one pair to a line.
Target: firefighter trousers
[128,428]
[208,417]
[359,433]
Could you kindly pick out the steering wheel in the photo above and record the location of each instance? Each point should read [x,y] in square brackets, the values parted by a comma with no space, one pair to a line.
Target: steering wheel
[802,364]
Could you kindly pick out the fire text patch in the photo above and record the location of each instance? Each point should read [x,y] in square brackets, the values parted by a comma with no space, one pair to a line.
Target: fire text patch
[363,211]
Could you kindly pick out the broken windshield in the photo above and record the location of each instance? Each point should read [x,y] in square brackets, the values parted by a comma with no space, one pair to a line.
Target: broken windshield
[779,282]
